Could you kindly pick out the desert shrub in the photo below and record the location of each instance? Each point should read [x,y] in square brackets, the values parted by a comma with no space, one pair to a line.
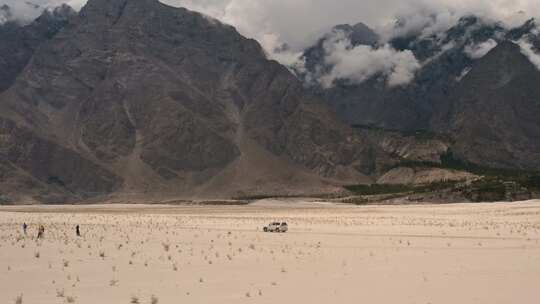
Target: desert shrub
[376,189]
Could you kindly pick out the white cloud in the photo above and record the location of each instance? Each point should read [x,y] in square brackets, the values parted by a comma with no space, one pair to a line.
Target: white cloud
[358,64]
[298,23]
[477,51]
[528,50]
[5,16]
[255,19]
[418,20]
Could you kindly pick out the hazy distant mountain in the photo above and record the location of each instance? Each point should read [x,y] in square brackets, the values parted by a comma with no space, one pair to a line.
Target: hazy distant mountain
[132,96]
[464,61]
[493,112]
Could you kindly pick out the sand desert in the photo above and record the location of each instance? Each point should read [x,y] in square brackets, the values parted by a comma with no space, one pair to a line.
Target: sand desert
[457,253]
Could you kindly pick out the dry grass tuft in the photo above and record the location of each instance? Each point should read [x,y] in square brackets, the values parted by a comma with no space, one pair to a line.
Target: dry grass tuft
[60,293]
[166,246]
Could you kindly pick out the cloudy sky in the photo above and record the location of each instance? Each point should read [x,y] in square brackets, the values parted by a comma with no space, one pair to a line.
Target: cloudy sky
[299,23]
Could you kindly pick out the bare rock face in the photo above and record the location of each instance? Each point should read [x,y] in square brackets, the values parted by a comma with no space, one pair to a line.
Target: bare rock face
[153,100]
[493,114]
[410,148]
[46,168]
[20,41]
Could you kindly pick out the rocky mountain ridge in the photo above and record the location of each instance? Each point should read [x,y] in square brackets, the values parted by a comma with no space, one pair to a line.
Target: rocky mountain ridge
[153,101]
[446,81]
[133,100]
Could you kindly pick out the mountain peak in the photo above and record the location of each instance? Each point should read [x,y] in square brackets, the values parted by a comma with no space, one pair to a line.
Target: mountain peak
[359,34]
[59,13]
[114,9]
[111,8]
[519,32]
[114,6]
[170,102]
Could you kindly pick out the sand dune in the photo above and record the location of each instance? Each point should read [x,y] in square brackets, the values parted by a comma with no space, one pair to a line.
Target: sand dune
[483,253]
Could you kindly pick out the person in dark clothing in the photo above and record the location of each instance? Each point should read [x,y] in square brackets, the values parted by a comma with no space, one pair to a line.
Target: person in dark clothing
[41,231]
[24,227]
[78,230]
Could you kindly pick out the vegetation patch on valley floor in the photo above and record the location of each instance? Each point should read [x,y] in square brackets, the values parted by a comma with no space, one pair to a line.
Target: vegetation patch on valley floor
[494,184]
[377,189]
[484,189]
[450,161]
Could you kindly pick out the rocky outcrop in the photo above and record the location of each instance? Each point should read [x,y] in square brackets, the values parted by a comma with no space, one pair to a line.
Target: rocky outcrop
[31,164]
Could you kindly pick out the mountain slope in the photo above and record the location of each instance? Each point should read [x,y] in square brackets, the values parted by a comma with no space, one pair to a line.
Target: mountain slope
[20,41]
[443,98]
[172,104]
[373,102]
[493,113]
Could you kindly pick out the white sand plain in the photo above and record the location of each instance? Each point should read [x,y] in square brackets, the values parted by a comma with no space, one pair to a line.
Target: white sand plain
[461,253]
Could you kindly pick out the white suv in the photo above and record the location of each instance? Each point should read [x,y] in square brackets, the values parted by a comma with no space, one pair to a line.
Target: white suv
[276,227]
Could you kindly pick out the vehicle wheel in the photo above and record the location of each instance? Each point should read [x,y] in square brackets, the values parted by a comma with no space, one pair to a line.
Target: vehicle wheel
[265,229]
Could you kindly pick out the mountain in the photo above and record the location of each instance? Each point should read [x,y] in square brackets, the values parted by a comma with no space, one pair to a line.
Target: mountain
[373,103]
[133,98]
[457,66]
[19,41]
[493,112]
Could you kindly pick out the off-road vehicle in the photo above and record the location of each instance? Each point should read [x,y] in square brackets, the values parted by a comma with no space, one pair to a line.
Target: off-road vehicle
[276,227]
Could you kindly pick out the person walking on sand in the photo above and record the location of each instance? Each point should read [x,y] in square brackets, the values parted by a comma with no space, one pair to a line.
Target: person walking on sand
[41,231]
[24,227]
[78,230]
